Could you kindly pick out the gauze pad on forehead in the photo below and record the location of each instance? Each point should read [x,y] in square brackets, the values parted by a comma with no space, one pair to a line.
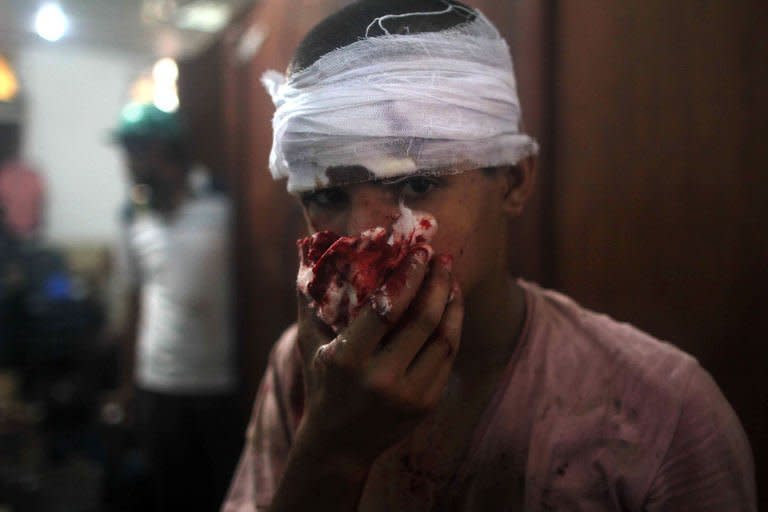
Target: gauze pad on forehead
[427,103]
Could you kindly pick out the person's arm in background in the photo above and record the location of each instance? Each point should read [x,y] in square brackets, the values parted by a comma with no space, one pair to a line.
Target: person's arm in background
[709,464]
[126,338]
[126,311]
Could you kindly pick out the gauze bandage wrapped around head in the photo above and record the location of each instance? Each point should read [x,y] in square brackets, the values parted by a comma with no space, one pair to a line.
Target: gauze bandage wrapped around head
[393,105]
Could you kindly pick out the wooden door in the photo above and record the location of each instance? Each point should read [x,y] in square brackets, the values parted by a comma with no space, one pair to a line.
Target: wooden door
[660,210]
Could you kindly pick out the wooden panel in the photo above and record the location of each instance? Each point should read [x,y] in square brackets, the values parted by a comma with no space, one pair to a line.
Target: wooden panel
[660,195]
[201,101]
[526,25]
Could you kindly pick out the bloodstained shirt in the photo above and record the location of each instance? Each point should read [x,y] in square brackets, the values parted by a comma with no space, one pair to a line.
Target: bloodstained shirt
[589,414]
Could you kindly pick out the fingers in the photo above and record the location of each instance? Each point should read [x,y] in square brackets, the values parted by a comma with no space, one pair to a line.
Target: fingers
[414,294]
[365,333]
[424,316]
[313,333]
[432,366]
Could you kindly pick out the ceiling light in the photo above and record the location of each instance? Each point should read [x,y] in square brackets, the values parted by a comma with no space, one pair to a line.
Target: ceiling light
[203,16]
[9,86]
[165,71]
[166,100]
[50,22]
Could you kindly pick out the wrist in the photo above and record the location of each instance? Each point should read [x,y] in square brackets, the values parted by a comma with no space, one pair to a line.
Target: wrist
[324,450]
[320,475]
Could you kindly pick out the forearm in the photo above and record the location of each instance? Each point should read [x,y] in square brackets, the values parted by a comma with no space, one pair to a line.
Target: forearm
[317,478]
[127,340]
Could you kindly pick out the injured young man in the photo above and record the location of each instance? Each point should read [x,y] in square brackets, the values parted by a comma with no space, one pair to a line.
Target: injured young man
[420,375]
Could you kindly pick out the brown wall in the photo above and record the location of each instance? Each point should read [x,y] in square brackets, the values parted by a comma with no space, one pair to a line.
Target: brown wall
[660,211]
[651,203]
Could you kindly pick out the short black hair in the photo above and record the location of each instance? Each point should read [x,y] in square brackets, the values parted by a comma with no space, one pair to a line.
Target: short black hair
[175,150]
[349,24]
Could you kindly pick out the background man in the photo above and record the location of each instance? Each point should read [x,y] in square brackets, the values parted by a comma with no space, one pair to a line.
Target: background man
[174,263]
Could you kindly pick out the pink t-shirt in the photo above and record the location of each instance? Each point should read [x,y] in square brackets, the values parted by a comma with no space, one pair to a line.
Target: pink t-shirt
[590,414]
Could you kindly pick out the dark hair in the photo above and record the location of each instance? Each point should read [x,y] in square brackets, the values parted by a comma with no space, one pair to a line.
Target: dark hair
[175,150]
[349,24]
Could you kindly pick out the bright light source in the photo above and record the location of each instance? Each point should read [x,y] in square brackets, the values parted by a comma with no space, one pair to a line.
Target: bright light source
[204,16]
[9,86]
[166,100]
[165,71]
[50,22]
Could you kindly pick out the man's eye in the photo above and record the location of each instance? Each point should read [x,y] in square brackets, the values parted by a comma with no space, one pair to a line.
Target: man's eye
[329,198]
[417,187]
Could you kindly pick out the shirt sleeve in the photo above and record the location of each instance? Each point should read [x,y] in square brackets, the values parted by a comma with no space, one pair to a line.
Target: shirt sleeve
[709,464]
[275,417]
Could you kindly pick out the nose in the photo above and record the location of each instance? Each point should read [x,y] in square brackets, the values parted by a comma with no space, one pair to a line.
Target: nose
[371,206]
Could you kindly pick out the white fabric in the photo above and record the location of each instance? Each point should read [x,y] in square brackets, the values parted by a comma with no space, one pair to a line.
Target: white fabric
[182,267]
[437,102]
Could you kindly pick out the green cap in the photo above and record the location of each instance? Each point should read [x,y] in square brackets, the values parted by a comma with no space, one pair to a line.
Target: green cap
[146,121]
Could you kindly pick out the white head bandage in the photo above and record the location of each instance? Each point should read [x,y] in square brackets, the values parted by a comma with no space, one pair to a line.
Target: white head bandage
[428,103]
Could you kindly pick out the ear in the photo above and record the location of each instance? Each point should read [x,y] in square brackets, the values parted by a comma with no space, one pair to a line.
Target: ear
[519,181]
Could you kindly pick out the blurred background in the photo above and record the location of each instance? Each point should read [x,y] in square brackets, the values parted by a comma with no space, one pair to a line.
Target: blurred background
[652,202]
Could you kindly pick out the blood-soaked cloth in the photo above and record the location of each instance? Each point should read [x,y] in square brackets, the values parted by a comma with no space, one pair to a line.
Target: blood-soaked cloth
[590,414]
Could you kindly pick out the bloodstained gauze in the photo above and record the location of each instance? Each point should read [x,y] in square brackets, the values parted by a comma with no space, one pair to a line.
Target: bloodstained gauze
[340,274]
